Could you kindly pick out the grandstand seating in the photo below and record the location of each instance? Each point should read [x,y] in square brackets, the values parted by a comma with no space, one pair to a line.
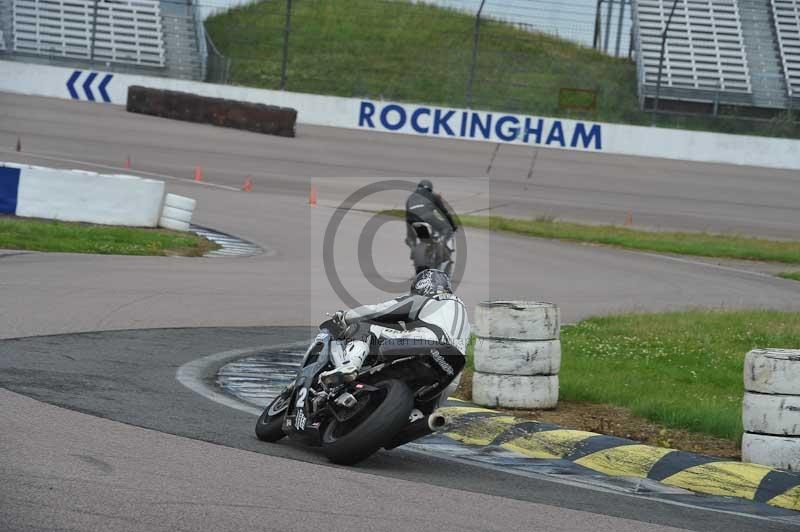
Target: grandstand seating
[2,42]
[125,31]
[704,54]
[787,24]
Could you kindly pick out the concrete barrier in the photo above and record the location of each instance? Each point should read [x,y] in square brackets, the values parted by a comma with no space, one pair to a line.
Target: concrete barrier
[771,408]
[517,354]
[430,121]
[78,196]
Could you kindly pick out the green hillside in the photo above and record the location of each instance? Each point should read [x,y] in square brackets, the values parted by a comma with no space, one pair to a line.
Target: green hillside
[397,50]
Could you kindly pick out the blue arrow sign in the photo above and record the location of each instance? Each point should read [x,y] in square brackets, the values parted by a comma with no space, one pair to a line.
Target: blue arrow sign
[87,86]
[102,88]
[71,84]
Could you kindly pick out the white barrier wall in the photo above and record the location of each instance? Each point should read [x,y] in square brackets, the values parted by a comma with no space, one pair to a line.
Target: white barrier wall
[425,120]
[78,196]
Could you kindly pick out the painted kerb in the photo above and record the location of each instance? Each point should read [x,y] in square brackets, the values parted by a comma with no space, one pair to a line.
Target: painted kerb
[620,457]
[431,121]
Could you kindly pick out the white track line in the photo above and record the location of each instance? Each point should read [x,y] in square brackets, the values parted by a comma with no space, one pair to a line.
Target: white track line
[193,375]
[117,169]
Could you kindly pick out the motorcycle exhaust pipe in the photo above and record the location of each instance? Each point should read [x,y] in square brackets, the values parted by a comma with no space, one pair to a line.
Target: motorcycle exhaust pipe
[438,422]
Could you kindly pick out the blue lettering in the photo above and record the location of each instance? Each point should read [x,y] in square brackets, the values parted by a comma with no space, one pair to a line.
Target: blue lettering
[537,131]
[556,134]
[595,133]
[401,115]
[415,120]
[512,133]
[463,124]
[440,122]
[486,128]
[365,114]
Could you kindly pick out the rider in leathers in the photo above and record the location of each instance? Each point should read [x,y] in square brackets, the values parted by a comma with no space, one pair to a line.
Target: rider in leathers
[425,206]
[430,313]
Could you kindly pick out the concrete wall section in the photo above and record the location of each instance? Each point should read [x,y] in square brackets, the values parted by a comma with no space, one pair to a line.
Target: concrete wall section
[425,120]
[77,196]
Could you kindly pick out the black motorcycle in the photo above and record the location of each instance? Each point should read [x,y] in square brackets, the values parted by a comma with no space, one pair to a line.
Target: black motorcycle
[352,420]
[434,249]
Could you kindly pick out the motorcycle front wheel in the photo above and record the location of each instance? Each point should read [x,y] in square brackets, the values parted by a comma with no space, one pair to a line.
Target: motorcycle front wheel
[269,426]
[382,418]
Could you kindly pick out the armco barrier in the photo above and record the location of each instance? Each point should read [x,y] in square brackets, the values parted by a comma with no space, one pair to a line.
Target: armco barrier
[78,196]
[441,122]
[208,110]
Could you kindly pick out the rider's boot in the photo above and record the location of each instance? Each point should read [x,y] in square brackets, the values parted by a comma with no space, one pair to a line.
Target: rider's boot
[347,361]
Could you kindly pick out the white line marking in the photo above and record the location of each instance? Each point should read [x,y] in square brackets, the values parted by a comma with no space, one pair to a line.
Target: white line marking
[192,375]
[118,169]
[707,264]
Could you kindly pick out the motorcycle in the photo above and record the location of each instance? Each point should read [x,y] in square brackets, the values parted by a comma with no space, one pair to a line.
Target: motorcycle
[352,420]
[434,249]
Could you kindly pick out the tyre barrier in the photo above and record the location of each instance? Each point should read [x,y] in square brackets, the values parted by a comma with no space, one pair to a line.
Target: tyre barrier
[515,391]
[519,357]
[771,408]
[517,354]
[177,213]
[216,111]
[518,320]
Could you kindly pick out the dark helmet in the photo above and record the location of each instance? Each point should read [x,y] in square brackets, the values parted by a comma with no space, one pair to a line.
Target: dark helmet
[427,185]
[431,282]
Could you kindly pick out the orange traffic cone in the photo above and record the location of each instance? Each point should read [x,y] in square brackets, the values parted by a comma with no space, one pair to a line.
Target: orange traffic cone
[248,185]
[128,162]
[629,219]
[312,196]
[198,173]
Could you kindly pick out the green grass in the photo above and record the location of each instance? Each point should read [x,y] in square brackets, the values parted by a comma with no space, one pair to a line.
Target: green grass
[679,369]
[65,237]
[397,50]
[794,276]
[692,243]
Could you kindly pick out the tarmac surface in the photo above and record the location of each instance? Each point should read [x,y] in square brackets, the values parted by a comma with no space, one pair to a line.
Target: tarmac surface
[69,470]
[110,465]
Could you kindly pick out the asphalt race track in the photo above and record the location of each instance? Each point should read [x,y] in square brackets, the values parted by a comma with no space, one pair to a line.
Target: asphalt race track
[129,377]
[89,422]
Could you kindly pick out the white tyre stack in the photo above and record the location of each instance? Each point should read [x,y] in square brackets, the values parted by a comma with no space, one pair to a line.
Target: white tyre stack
[517,354]
[771,408]
[177,213]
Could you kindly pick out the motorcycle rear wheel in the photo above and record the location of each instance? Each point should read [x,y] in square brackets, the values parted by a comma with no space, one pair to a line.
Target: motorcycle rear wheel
[351,442]
[269,426]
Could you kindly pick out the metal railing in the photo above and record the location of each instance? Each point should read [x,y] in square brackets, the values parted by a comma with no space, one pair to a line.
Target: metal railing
[125,31]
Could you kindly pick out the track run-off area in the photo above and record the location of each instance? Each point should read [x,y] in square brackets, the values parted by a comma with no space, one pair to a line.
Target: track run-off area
[97,434]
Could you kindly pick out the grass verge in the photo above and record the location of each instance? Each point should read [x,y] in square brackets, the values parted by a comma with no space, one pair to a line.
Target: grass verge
[680,370]
[794,276]
[68,237]
[415,52]
[682,243]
